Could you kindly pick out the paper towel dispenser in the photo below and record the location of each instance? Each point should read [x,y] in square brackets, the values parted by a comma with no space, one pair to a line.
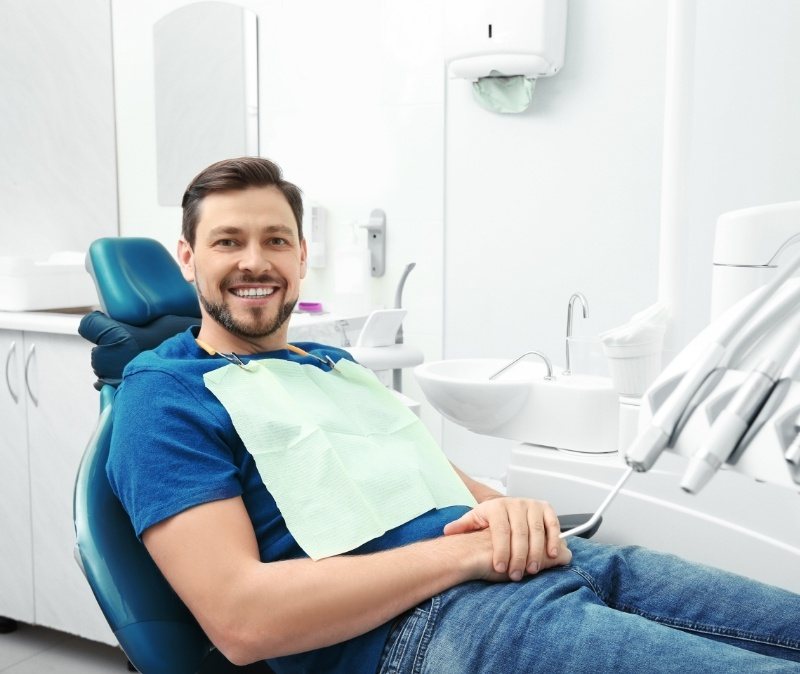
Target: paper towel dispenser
[509,37]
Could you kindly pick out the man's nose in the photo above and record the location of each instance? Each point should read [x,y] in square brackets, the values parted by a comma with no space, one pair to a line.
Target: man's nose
[254,259]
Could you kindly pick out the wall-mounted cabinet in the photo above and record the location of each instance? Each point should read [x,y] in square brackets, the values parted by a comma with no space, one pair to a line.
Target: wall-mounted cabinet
[58,167]
[49,410]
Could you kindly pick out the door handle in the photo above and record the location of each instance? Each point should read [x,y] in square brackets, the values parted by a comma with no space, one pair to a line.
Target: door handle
[11,350]
[27,380]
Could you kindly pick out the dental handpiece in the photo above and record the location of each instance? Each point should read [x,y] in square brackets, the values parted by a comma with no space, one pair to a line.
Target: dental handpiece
[792,454]
[652,440]
[730,427]
[792,371]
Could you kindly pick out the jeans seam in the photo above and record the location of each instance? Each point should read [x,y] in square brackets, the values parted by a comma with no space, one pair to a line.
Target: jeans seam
[589,580]
[703,628]
[398,650]
[685,625]
[427,634]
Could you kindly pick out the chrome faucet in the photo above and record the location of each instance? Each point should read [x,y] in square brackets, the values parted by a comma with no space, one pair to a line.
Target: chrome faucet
[546,360]
[585,304]
[397,374]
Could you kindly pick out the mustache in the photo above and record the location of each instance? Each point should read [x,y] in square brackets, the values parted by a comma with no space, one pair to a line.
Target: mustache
[248,279]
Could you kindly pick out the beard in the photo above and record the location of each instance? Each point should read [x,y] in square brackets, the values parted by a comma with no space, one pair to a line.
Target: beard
[259,326]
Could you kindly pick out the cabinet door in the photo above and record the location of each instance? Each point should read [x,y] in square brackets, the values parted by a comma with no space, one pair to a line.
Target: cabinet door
[16,562]
[62,413]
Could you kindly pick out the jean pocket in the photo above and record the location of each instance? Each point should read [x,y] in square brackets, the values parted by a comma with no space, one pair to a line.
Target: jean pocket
[405,644]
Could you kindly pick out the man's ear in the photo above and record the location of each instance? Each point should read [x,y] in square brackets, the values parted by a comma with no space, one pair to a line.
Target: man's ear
[186,259]
[303,258]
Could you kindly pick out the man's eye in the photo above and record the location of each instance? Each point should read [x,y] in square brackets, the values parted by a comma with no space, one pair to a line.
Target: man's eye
[225,243]
[278,241]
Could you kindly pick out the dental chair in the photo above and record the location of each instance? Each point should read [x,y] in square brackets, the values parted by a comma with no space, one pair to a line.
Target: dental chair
[145,300]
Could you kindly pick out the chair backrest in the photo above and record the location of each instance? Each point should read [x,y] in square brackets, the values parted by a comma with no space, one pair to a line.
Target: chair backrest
[146,300]
[154,628]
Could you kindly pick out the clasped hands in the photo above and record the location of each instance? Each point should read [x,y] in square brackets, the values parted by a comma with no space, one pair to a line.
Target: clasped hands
[524,536]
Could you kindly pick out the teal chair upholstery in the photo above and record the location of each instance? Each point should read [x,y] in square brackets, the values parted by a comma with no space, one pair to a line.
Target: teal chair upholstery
[145,300]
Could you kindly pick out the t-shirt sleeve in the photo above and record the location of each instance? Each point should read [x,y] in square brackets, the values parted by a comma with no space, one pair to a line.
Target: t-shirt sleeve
[168,450]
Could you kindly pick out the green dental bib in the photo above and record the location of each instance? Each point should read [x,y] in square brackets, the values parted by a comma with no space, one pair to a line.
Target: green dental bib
[343,458]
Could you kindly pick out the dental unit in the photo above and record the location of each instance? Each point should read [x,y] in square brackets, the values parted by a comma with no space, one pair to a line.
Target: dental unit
[741,336]
[730,399]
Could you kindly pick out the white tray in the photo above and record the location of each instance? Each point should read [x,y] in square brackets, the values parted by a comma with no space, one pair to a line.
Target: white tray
[61,282]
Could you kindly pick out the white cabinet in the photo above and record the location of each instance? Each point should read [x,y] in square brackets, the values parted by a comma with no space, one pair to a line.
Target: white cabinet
[16,560]
[50,422]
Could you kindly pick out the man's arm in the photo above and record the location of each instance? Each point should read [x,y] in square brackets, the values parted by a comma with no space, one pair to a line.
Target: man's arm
[251,610]
[480,491]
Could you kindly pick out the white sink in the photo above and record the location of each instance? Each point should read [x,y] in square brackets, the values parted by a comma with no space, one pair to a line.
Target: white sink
[576,412]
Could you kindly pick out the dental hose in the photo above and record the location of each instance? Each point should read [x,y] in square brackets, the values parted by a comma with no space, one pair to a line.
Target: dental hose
[730,427]
[594,519]
[649,443]
[792,373]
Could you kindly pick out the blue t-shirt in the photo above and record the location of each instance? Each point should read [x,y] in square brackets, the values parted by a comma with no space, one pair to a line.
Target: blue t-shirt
[174,447]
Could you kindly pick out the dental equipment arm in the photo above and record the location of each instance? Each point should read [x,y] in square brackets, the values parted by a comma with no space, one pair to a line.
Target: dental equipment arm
[731,425]
[651,441]
[592,521]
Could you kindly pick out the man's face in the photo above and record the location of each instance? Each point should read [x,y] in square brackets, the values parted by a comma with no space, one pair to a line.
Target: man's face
[247,263]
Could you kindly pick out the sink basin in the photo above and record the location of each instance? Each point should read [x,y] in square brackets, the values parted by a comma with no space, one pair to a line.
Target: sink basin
[461,391]
[576,412]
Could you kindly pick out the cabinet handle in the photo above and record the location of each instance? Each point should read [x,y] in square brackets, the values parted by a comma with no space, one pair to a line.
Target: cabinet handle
[11,350]
[27,381]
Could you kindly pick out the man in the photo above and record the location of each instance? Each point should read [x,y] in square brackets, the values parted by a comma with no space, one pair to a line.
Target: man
[489,588]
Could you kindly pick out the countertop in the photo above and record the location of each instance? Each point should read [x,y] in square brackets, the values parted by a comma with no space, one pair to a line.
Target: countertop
[66,322]
[59,322]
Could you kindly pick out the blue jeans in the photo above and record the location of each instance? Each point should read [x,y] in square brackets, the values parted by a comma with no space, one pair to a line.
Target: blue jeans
[613,609]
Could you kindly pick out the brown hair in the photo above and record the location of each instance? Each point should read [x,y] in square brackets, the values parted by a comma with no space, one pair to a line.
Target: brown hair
[236,174]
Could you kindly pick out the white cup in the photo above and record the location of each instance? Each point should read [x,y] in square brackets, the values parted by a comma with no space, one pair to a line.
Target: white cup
[634,366]
[587,357]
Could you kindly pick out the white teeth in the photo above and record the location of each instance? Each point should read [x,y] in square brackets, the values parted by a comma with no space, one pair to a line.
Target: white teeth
[253,292]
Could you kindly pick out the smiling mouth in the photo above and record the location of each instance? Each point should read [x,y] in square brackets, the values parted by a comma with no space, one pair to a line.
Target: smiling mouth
[254,293]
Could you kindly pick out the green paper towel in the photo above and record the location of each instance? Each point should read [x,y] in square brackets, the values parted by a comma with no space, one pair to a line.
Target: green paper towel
[499,93]
[343,458]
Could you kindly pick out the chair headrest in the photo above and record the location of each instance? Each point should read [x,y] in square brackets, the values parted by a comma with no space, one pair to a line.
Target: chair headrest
[138,281]
[118,343]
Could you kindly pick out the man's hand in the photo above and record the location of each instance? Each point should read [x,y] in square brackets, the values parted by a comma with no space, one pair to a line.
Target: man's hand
[524,534]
